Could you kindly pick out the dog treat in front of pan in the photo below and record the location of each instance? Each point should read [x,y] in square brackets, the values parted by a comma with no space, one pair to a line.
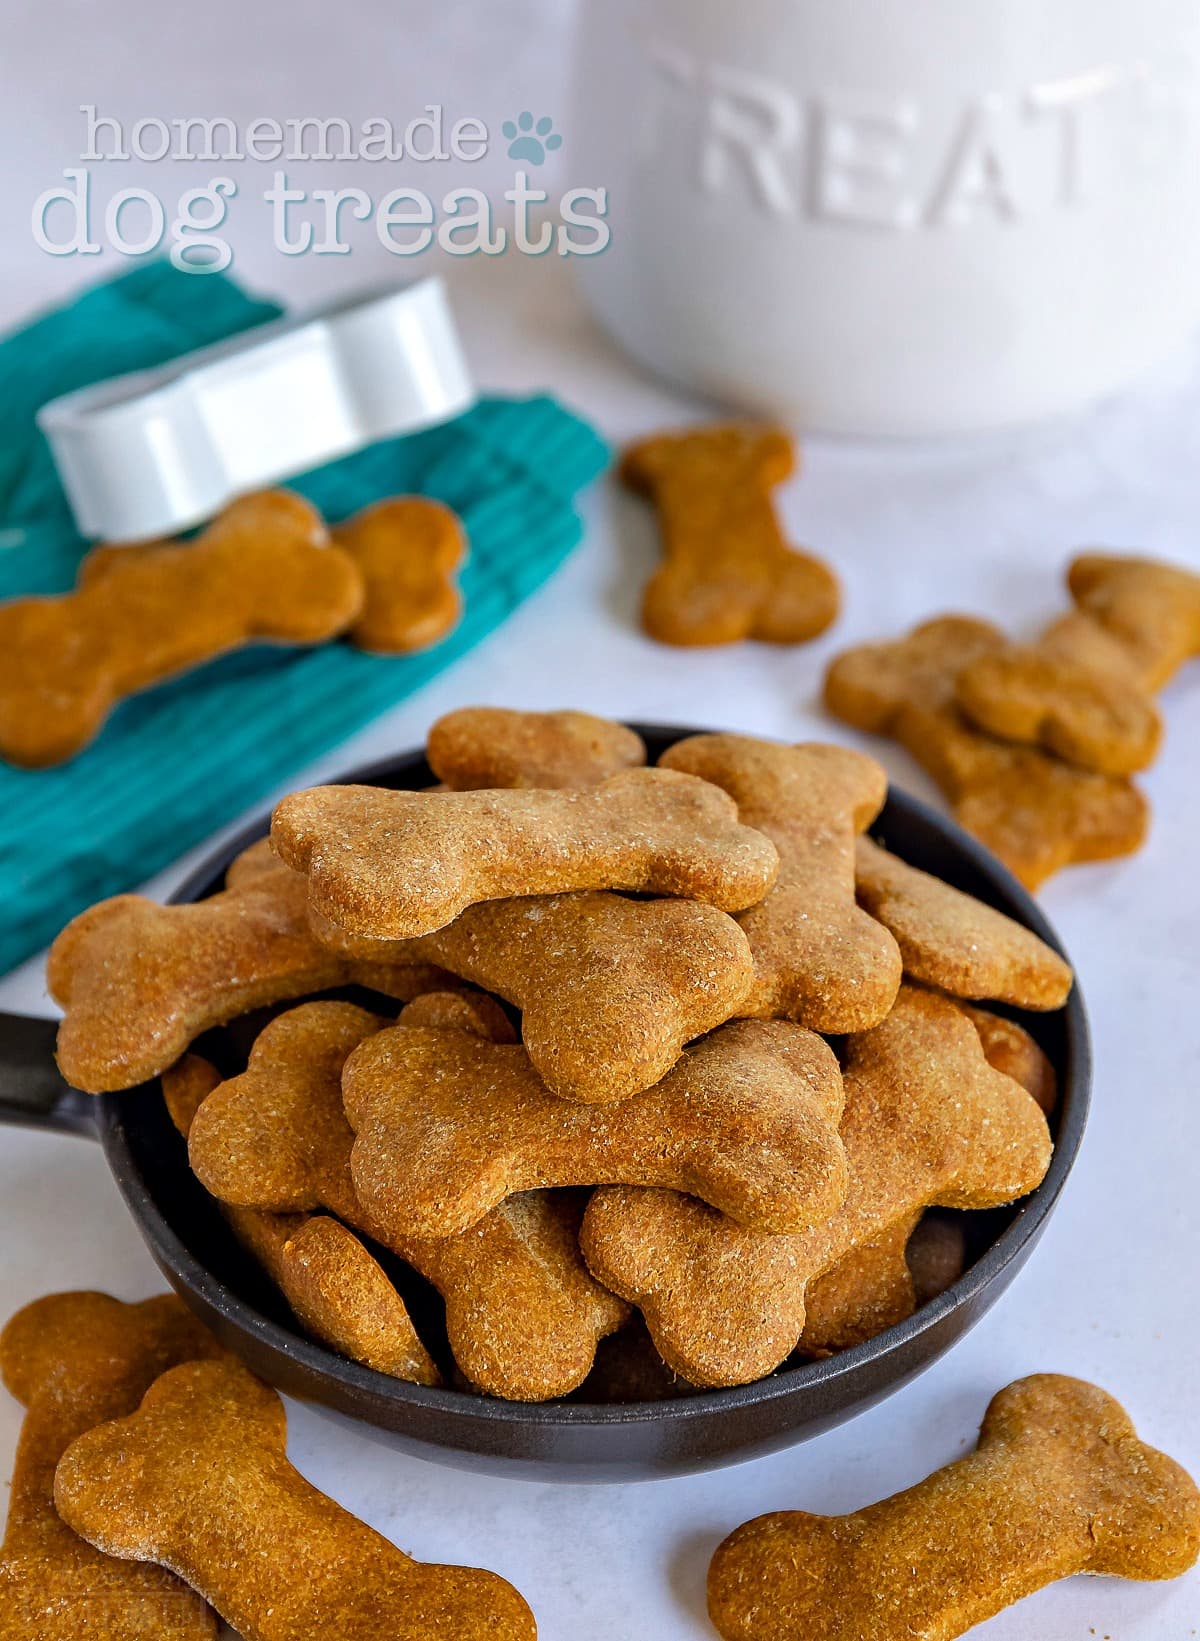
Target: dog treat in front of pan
[523,1315]
[727,571]
[477,748]
[75,1360]
[406,549]
[277,1559]
[399,864]
[1075,692]
[818,958]
[447,1127]
[335,1286]
[140,982]
[610,988]
[1034,811]
[950,940]
[1059,1484]
[927,1122]
[264,569]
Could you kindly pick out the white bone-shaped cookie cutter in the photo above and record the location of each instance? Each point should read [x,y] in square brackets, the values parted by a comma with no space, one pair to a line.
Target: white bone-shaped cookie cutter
[158,451]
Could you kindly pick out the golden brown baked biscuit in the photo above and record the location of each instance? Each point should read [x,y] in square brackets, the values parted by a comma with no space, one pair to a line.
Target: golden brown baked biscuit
[1059,1484]
[277,1559]
[264,569]
[727,571]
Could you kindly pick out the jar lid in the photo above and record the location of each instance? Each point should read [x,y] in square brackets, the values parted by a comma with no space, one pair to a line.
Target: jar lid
[155,452]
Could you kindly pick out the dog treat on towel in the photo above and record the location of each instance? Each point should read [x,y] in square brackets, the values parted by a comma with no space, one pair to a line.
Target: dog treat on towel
[1034,811]
[610,988]
[406,549]
[75,1360]
[340,1293]
[478,748]
[398,864]
[927,1122]
[727,571]
[1074,692]
[448,1126]
[197,1480]
[1059,1484]
[817,957]
[1009,1048]
[952,941]
[1151,609]
[263,569]
[140,982]
[522,1313]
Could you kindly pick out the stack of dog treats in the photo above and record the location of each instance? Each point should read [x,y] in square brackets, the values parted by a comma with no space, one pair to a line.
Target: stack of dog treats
[1034,744]
[681,1041]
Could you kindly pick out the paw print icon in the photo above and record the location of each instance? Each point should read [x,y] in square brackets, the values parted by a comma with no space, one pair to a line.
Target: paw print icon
[531,140]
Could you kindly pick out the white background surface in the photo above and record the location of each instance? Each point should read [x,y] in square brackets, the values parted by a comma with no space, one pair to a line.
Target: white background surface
[1110,1293]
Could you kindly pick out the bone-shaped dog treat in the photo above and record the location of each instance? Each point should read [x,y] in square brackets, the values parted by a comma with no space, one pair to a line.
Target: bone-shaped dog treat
[263,570]
[477,748]
[448,1126]
[1034,811]
[198,1480]
[951,940]
[139,982]
[610,988]
[1152,609]
[406,549]
[340,1293]
[869,1290]
[1009,1048]
[1074,692]
[398,864]
[1059,1484]
[76,1360]
[817,957]
[522,1313]
[927,1122]
[727,573]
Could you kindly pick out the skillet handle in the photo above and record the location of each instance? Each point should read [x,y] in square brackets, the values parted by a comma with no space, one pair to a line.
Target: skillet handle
[33,1093]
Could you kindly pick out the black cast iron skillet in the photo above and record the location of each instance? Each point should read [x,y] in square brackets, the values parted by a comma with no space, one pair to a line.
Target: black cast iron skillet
[571,1440]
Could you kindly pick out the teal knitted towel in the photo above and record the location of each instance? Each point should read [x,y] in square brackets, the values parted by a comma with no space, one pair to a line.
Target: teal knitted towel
[179,761]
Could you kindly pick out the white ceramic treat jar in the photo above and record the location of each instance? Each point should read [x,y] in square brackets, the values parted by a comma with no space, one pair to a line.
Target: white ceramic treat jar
[882,218]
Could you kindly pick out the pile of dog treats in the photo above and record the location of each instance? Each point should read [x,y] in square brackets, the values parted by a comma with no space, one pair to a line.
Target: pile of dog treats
[679,1040]
[683,1039]
[266,569]
[1034,744]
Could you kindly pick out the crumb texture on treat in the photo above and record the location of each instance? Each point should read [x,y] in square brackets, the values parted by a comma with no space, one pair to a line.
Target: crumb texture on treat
[198,1480]
[477,748]
[399,864]
[927,1122]
[448,1126]
[727,571]
[818,959]
[76,1360]
[1059,1484]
